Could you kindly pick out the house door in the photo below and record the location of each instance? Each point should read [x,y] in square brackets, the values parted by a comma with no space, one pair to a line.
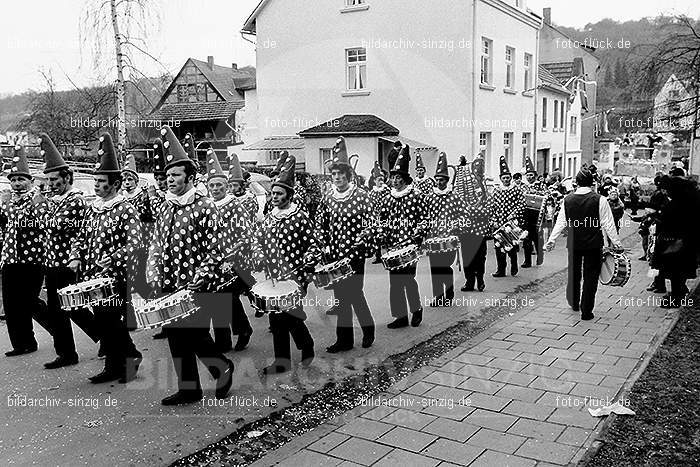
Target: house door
[543,160]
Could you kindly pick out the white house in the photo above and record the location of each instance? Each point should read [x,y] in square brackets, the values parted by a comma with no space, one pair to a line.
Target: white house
[673,106]
[448,76]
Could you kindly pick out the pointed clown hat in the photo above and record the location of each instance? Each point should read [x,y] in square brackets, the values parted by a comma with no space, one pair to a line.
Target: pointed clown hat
[376,170]
[402,162]
[503,165]
[108,162]
[419,161]
[52,158]
[281,162]
[130,166]
[214,169]
[190,146]
[529,166]
[20,165]
[235,173]
[158,157]
[442,169]
[287,177]
[339,156]
[174,152]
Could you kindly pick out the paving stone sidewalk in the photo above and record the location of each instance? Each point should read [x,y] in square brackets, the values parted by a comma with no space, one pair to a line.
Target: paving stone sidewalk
[516,395]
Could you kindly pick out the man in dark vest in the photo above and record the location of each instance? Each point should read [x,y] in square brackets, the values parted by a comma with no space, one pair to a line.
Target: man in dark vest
[589,220]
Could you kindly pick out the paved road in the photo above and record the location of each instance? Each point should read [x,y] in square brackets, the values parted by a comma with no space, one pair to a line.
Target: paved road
[118,424]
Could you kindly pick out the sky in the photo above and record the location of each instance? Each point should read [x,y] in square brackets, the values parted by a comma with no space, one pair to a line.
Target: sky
[197,28]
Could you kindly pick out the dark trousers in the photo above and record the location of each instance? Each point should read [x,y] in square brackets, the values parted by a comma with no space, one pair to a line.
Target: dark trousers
[60,319]
[583,264]
[190,339]
[442,275]
[473,256]
[403,287]
[284,325]
[351,298]
[116,342]
[534,244]
[227,317]
[501,260]
[21,284]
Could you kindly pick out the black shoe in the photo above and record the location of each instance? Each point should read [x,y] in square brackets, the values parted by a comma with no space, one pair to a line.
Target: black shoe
[367,341]
[480,285]
[514,270]
[335,348]
[275,369]
[377,261]
[307,356]
[130,370]
[587,317]
[540,261]
[524,266]
[498,274]
[642,258]
[61,361]
[575,308]
[417,318]
[332,311]
[467,287]
[660,290]
[106,376]
[224,381]
[243,340]
[161,335]
[17,352]
[651,288]
[182,397]
[398,323]
[101,352]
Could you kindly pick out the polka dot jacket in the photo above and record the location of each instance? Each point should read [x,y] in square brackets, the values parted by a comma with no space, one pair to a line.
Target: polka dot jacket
[142,202]
[425,185]
[234,236]
[24,237]
[111,231]
[64,218]
[185,244]
[445,213]
[286,242]
[343,222]
[402,218]
[249,203]
[507,204]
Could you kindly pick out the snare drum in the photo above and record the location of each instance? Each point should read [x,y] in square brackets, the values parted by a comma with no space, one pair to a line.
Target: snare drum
[275,296]
[88,293]
[616,269]
[401,257]
[535,211]
[166,310]
[330,274]
[508,236]
[441,244]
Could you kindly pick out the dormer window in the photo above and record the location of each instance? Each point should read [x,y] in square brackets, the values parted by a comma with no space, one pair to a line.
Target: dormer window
[354,5]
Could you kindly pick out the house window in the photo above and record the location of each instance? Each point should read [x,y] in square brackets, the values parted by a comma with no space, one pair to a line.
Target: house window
[356,60]
[510,69]
[556,114]
[526,146]
[486,46]
[572,125]
[325,154]
[561,115]
[544,112]
[527,74]
[485,148]
[274,156]
[354,2]
[508,147]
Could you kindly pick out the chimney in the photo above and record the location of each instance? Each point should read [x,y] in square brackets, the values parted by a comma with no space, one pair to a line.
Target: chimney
[547,15]
[234,66]
[210,61]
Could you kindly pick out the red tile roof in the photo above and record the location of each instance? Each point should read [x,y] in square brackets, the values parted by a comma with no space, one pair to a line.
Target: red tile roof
[550,81]
[192,111]
[352,125]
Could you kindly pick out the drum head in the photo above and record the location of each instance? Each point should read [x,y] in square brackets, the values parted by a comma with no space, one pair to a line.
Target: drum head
[607,270]
[267,289]
[401,251]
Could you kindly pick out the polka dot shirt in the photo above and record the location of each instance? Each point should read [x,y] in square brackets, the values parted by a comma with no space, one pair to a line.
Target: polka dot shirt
[507,204]
[402,218]
[425,185]
[64,218]
[445,214]
[24,235]
[341,221]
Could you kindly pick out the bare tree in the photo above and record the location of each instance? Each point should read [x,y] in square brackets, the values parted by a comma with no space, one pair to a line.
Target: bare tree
[129,23]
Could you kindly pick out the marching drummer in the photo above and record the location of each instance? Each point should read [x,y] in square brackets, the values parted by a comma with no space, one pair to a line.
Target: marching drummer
[237,187]
[445,214]
[22,257]
[66,210]
[534,242]
[344,222]
[423,183]
[376,196]
[402,223]
[508,203]
[187,255]
[234,237]
[156,196]
[589,220]
[287,250]
[106,247]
